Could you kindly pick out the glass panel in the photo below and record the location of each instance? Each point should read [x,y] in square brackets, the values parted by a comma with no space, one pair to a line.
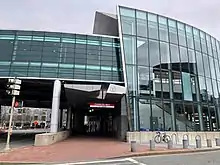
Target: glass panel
[197,39]
[172,31]
[164,52]
[152,26]
[127,12]
[155,78]
[132,79]
[187,86]
[143,80]
[181,34]
[181,119]
[141,24]
[175,57]
[128,21]
[189,37]
[165,84]
[202,88]
[184,59]
[206,65]
[157,116]
[217,69]
[177,86]
[154,53]
[144,114]
[167,115]
[130,49]
[142,52]
[199,64]
[209,90]
[212,67]
[163,32]
[203,42]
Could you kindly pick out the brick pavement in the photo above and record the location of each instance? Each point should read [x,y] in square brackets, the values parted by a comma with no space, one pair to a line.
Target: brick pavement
[72,150]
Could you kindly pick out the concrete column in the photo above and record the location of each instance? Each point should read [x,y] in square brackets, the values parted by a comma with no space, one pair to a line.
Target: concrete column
[69,117]
[55,106]
[61,118]
[122,122]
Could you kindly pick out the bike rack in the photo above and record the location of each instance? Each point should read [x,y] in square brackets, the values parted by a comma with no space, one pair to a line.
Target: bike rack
[176,137]
[186,137]
[197,137]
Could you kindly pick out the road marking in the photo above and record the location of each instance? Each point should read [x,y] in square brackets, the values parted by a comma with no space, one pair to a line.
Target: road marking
[135,161]
[94,162]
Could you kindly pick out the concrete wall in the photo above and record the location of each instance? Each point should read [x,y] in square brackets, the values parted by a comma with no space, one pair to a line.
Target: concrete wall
[177,137]
[50,138]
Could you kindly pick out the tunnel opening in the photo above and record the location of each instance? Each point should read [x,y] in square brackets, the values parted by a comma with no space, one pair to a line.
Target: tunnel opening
[96,109]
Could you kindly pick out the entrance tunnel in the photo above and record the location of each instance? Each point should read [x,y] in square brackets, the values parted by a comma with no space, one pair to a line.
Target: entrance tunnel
[97,110]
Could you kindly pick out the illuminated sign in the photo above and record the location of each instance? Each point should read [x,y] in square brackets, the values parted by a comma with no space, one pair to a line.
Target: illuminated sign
[101,105]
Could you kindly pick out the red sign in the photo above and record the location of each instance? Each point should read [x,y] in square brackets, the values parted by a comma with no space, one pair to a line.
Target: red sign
[101,105]
[16,104]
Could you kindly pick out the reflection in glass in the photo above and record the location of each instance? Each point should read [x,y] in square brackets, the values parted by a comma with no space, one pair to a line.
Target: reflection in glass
[164,52]
[130,49]
[144,114]
[142,52]
[181,34]
[199,63]
[155,78]
[141,24]
[152,26]
[175,68]
[163,30]
[157,116]
[154,53]
[177,85]
[143,80]
[206,65]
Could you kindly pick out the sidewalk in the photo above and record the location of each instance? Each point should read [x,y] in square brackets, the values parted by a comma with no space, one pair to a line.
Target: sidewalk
[79,149]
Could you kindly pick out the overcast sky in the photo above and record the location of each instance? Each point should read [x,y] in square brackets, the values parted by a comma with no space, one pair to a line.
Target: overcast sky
[78,15]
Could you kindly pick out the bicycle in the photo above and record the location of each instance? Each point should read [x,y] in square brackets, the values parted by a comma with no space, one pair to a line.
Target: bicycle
[162,137]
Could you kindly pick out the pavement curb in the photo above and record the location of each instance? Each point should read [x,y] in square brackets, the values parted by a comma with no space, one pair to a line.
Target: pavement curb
[138,154]
[167,152]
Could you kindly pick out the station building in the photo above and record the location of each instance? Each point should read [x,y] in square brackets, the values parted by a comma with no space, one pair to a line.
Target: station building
[138,71]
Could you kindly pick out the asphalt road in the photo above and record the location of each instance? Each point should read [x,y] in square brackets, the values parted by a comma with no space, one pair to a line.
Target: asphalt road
[17,140]
[205,158]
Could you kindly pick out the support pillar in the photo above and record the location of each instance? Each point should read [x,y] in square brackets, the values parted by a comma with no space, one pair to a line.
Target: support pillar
[61,119]
[55,107]
[69,118]
[121,122]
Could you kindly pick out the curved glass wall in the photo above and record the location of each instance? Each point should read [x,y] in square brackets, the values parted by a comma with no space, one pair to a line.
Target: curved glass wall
[59,55]
[172,73]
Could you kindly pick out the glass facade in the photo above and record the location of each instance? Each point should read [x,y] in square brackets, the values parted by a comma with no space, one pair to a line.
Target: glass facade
[59,55]
[172,73]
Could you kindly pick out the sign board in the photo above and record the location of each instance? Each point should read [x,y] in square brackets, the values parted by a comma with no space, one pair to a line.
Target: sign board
[101,105]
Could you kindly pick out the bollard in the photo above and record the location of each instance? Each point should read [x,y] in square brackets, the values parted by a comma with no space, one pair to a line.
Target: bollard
[209,143]
[198,143]
[185,143]
[133,146]
[217,140]
[152,145]
[170,144]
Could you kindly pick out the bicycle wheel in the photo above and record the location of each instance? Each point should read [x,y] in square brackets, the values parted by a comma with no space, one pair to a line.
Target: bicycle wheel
[157,139]
[167,138]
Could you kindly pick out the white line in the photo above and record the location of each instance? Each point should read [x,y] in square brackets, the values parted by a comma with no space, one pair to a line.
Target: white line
[94,162]
[135,161]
